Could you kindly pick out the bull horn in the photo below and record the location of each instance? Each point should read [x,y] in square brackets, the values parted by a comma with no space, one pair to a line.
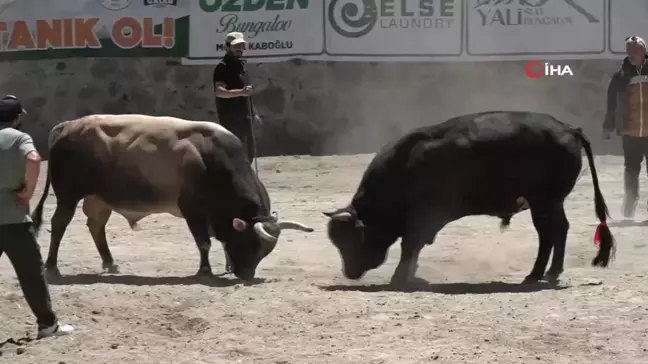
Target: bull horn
[263,234]
[340,216]
[294,225]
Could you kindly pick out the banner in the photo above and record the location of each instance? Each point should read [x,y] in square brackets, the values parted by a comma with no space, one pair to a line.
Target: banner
[279,29]
[322,30]
[45,29]
[627,17]
[391,28]
[421,30]
[538,27]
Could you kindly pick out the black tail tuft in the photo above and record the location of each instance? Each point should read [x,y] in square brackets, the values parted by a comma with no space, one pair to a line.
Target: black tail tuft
[607,244]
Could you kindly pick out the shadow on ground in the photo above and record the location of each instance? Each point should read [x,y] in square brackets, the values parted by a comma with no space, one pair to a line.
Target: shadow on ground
[134,280]
[20,342]
[451,288]
[627,223]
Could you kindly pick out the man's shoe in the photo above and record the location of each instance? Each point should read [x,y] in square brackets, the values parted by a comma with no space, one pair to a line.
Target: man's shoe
[57,329]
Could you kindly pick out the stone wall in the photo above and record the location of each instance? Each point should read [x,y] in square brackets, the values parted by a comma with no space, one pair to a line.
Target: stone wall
[310,107]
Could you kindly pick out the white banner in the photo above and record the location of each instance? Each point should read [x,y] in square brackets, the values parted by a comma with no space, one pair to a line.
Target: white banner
[421,30]
[627,17]
[273,28]
[536,27]
[390,28]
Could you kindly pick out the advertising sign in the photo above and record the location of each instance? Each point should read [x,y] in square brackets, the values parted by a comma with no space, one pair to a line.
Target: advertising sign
[627,18]
[273,28]
[42,29]
[394,27]
[519,27]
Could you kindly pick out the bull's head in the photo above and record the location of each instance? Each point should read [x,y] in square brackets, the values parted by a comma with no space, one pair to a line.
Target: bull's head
[256,239]
[361,247]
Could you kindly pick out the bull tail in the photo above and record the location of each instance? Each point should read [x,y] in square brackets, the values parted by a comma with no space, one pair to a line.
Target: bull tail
[37,215]
[603,236]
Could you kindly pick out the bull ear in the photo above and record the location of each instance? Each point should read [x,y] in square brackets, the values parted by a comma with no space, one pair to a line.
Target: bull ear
[339,215]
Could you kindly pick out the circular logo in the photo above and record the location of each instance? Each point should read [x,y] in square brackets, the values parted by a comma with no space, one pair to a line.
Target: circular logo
[534,69]
[347,20]
[115,4]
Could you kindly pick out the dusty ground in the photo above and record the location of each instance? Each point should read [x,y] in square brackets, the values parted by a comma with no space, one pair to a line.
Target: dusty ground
[306,312]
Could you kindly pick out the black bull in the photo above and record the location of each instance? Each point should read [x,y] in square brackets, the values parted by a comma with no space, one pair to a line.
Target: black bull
[490,163]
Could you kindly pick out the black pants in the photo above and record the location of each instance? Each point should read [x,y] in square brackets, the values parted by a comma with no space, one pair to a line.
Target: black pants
[241,126]
[635,149]
[20,245]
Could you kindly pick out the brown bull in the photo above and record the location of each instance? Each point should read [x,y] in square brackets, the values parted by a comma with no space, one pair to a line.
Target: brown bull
[138,165]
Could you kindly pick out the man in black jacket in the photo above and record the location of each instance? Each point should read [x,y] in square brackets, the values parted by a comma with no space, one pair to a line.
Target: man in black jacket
[635,145]
[233,93]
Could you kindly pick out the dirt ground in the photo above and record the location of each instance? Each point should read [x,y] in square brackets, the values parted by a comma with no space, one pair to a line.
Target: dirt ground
[472,311]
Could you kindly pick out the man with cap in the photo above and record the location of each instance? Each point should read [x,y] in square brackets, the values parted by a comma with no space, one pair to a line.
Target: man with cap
[19,169]
[625,109]
[233,93]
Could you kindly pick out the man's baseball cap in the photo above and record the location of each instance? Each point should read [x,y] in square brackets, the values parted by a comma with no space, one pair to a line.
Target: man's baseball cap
[235,38]
[636,40]
[10,108]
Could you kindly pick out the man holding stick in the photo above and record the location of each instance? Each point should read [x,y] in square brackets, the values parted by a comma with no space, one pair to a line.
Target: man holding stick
[233,92]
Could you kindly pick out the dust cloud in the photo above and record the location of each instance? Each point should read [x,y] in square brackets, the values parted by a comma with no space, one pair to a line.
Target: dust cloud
[389,99]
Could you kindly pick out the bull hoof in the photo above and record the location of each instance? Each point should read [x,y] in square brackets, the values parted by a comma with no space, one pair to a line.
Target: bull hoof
[52,273]
[204,272]
[551,277]
[401,282]
[530,280]
[110,268]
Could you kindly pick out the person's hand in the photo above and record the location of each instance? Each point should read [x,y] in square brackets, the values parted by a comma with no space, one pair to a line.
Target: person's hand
[258,121]
[247,91]
[606,135]
[21,197]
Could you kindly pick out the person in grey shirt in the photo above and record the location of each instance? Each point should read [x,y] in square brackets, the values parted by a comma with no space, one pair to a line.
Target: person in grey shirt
[19,169]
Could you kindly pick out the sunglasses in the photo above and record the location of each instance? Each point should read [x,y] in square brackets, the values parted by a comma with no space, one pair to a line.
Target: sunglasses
[633,38]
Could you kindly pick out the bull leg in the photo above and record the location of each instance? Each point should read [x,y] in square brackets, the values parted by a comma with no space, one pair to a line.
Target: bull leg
[505,222]
[411,245]
[228,264]
[98,214]
[199,228]
[560,230]
[551,224]
[60,221]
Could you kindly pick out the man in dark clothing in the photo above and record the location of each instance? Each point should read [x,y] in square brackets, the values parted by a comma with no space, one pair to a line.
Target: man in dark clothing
[625,110]
[19,169]
[233,93]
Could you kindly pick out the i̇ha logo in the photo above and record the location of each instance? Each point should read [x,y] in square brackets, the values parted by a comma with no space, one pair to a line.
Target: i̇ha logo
[115,4]
[535,69]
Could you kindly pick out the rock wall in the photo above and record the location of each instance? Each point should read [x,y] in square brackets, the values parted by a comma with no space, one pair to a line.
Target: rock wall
[310,107]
